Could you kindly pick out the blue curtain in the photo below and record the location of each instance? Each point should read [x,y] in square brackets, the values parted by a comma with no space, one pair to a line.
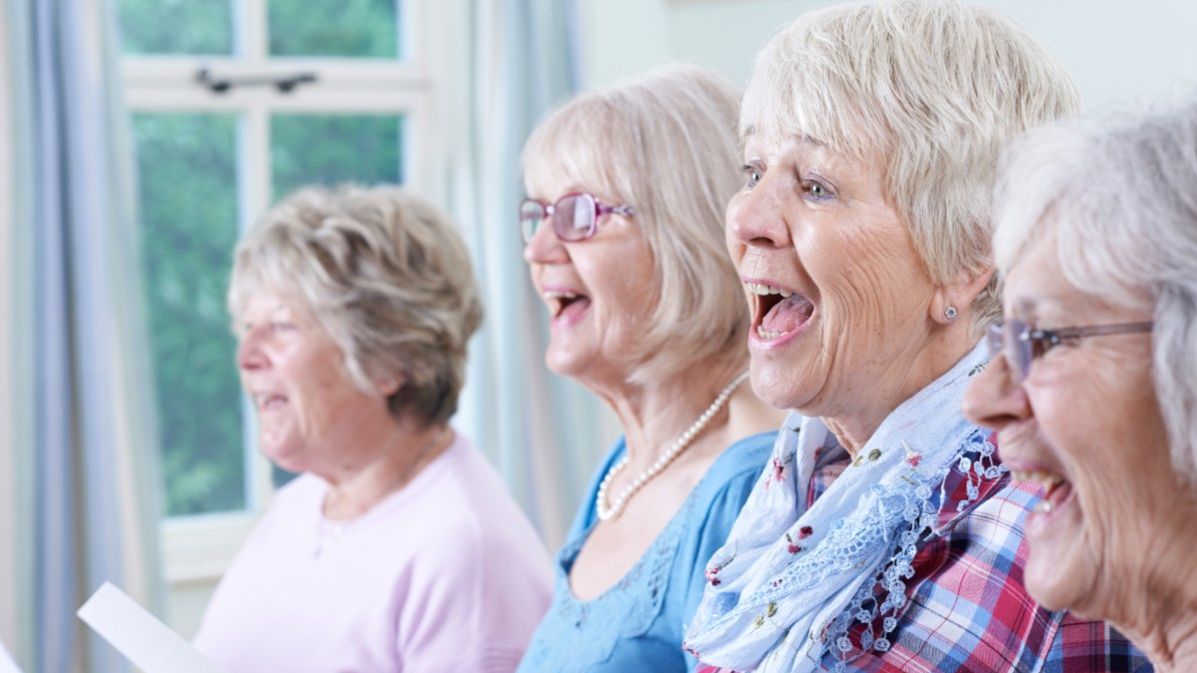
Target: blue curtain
[86,438]
[518,58]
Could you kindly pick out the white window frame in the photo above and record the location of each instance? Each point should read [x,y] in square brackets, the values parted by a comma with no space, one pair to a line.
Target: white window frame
[198,549]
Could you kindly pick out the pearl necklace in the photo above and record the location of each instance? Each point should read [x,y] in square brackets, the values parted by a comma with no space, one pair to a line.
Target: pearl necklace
[604,512]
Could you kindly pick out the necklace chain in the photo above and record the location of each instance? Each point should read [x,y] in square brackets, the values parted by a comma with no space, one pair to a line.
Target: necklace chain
[600,499]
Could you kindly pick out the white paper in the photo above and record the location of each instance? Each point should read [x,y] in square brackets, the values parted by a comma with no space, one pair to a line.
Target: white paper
[7,665]
[135,633]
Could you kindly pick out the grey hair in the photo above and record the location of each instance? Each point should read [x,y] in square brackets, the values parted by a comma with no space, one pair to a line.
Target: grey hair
[933,87]
[664,143]
[1119,192]
[385,274]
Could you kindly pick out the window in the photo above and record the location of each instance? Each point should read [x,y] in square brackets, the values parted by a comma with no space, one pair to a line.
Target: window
[233,104]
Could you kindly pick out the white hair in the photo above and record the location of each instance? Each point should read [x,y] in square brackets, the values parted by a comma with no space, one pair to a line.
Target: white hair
[935,89]
[385,274]
[664,143]
[1119,192]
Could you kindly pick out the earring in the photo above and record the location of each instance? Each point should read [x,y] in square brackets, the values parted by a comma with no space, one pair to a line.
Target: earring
[950,313]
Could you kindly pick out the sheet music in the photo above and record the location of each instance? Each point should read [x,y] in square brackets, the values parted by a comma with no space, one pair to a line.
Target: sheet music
[135,633]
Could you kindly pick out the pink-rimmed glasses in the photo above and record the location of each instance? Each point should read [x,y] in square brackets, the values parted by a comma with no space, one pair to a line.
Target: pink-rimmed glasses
[574,216]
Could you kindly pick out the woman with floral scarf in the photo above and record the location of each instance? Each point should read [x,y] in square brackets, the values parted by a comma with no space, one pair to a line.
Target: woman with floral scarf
[885,535]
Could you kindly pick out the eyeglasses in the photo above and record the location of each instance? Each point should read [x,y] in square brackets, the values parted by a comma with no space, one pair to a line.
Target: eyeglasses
[1020,343]
[574,216]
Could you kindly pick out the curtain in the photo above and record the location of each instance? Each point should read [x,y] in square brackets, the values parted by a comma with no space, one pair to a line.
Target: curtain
[510,62]
[83,429]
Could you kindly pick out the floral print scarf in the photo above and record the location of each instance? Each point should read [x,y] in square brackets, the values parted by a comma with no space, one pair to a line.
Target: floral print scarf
[790,582]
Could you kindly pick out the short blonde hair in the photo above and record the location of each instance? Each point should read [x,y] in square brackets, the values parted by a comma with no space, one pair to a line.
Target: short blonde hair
[388,278]
[1117,192]
[933,87]
[664,143]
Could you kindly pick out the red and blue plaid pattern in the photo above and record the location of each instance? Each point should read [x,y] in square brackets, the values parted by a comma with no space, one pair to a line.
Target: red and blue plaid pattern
[969,611]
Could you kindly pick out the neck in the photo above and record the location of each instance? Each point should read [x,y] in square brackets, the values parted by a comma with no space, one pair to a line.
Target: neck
[406,450]
[854,421]
[654,415]
[1159,614]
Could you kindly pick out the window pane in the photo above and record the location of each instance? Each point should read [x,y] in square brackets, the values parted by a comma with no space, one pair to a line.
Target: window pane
[187,183]
[329,149]
[356,28]
[177,26]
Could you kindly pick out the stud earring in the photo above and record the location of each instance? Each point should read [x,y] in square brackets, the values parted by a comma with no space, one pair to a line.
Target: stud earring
[950,313]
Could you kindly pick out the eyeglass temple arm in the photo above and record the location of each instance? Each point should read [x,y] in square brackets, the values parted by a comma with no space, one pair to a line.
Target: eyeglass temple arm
[604,209]
[1096,330]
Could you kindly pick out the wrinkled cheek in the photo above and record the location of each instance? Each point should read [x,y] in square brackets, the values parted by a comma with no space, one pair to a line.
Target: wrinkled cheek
[1109,542]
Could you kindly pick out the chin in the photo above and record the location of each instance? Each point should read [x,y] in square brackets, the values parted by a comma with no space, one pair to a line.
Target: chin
[776,386]
[1058,580]
[287,458]
[562,364]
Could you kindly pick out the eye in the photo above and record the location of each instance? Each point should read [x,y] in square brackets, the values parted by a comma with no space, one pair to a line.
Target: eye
[816,190]
[752,175]
[1050,341]
[282,326]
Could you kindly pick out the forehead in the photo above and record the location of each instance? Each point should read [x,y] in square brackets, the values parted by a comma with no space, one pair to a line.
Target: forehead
[1036,287]
[268,300]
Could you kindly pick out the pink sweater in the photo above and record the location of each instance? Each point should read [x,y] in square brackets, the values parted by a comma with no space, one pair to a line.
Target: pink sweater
[445,575]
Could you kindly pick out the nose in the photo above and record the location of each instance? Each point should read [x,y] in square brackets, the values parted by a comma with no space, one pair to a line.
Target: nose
[994,399]
[250,355]
[545,247]
[757,217]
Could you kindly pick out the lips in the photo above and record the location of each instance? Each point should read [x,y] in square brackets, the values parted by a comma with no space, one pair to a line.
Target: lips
[566,306]
[1054,490]
[778,313]
[265,402]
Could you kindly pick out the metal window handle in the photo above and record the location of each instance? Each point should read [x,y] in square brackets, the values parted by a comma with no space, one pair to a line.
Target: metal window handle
[284,83]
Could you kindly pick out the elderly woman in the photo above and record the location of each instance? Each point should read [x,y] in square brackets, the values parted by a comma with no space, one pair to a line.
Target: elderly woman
[885,535]
[353,309]
[624,231]
[1093,394]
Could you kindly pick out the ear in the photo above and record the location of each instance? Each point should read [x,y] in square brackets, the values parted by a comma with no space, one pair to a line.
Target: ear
[958,294]
[388,386]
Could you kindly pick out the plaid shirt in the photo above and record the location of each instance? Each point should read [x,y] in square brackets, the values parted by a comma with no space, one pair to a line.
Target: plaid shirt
[969,611]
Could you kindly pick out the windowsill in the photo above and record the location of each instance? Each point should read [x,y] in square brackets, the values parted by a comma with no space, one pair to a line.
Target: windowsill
[202,547]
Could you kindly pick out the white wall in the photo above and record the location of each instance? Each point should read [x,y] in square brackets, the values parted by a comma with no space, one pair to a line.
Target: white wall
[1114,50]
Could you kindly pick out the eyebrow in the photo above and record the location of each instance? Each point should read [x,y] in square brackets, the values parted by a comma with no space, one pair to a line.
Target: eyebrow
[1030,308]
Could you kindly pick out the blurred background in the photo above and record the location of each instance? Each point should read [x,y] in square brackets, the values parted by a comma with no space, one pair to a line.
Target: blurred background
[138,138]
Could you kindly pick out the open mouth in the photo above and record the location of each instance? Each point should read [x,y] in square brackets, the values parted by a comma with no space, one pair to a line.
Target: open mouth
[265,402]
[1055,491]
[566,306]
[777,313]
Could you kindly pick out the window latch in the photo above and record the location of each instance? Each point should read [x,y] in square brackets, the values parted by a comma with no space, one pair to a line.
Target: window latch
[283,83]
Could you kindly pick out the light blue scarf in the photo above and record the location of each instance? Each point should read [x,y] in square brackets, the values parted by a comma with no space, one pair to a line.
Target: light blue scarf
[790,582]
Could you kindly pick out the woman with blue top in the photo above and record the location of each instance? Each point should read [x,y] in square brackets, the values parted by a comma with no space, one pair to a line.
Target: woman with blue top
[624,241]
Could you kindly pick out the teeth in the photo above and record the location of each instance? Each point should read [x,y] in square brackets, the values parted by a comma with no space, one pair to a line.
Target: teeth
[553,294]
[762,289]
[1044,507]
[1045,479]
[263,399]
[766,334]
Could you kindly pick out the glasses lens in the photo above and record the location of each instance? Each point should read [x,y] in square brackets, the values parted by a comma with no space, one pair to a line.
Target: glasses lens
[573,217]
[994,337]
[1018,348]
[531,215]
